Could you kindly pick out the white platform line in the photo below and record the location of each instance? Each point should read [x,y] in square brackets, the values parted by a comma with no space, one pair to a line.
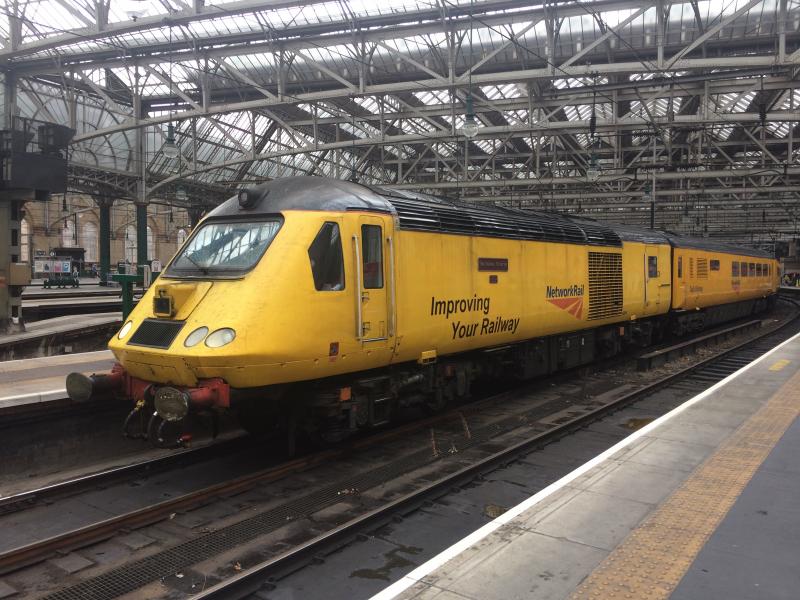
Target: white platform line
[76,354]
[476,536]
[40,395]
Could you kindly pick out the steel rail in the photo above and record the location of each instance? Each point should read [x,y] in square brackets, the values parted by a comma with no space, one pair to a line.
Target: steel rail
[35,552]
[20,500]
[251,580]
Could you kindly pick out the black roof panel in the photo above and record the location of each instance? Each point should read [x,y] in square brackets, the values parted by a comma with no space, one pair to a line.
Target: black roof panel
[420,212]
[678,241]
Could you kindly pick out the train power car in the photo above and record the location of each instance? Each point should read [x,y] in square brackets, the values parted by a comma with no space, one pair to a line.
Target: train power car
[331,304]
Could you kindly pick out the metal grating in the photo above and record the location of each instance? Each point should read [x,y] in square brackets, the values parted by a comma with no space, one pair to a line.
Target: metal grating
[702,268]
[605,285]
[156,333]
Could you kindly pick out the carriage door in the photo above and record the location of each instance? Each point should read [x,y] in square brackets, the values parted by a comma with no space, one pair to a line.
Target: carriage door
[652,276]
[373,270]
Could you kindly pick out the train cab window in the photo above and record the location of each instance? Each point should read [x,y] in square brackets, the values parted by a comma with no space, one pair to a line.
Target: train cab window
[734,268]
[680,267]
[372,256]
[652,266]
[714,264]
[752,269]
[327,261]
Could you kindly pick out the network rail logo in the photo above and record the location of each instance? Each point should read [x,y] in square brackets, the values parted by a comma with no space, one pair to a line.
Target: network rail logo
[569,298]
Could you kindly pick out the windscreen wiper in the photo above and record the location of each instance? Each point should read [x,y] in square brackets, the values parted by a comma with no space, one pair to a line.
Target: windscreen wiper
[203,269]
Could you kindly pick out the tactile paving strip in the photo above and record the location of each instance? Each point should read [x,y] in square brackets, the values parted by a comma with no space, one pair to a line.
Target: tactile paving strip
[651,561]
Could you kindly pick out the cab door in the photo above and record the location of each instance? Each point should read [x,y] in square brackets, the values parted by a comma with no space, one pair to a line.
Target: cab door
[375,275]
[652,277]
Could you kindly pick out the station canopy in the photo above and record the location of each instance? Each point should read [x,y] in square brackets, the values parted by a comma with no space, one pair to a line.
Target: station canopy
[578,104]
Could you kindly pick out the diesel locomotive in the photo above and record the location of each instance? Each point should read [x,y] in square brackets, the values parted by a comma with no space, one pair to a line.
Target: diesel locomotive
[331,305]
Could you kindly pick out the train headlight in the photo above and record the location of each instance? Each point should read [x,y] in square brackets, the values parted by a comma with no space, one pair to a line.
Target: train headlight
[171,404]
[220,337]
[195,337]
[125,330]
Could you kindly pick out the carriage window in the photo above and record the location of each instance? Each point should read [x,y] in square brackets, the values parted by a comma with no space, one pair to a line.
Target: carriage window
[652,266]
[735,268]
[744,269]
[680,266]
[714,264]
[752,269]
[327,263]
[372,256]
[758,270]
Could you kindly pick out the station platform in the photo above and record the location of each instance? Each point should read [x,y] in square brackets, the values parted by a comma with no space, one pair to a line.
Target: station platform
[60,335]
[700,504]
[36,380]
[36,309]
[88,285]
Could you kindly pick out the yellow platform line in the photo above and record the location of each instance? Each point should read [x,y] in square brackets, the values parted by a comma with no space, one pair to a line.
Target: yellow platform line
[654,557]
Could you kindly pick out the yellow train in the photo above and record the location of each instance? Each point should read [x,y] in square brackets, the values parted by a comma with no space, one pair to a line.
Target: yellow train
[331,304]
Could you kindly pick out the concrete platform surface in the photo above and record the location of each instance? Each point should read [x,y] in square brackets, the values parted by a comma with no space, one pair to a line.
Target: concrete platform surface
[60,325]
[699,504]
[34,380]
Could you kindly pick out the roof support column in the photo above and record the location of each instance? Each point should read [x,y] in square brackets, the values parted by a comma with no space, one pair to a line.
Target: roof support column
[105,204]
[141,235]
[140,202]
[195,213]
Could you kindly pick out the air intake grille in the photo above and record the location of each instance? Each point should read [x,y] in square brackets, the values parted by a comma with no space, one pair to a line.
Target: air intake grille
[605,285]
[702,268]
[420,214]
[156,333]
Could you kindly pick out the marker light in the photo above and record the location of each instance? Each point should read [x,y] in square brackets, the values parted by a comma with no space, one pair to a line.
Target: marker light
[220,337]
[125,329]
[196,336]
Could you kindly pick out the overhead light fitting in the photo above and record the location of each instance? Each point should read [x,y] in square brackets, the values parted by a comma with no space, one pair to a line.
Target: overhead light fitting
[170,149]
[470,127]
[593,170]
[180,194]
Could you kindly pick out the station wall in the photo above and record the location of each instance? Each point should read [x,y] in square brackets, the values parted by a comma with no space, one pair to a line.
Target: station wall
[76,223]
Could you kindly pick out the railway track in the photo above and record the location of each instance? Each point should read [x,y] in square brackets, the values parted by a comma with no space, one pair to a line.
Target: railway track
[120,579]
[691,380]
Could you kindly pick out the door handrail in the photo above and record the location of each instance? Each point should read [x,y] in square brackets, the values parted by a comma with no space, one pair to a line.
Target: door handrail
[359,299]
[393,297]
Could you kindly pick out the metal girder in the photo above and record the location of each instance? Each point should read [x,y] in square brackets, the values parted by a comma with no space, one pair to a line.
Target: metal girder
[431,84]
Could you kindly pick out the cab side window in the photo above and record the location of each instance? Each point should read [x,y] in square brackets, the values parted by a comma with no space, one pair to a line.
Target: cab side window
[652,266]
[373,256]
[327,262]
